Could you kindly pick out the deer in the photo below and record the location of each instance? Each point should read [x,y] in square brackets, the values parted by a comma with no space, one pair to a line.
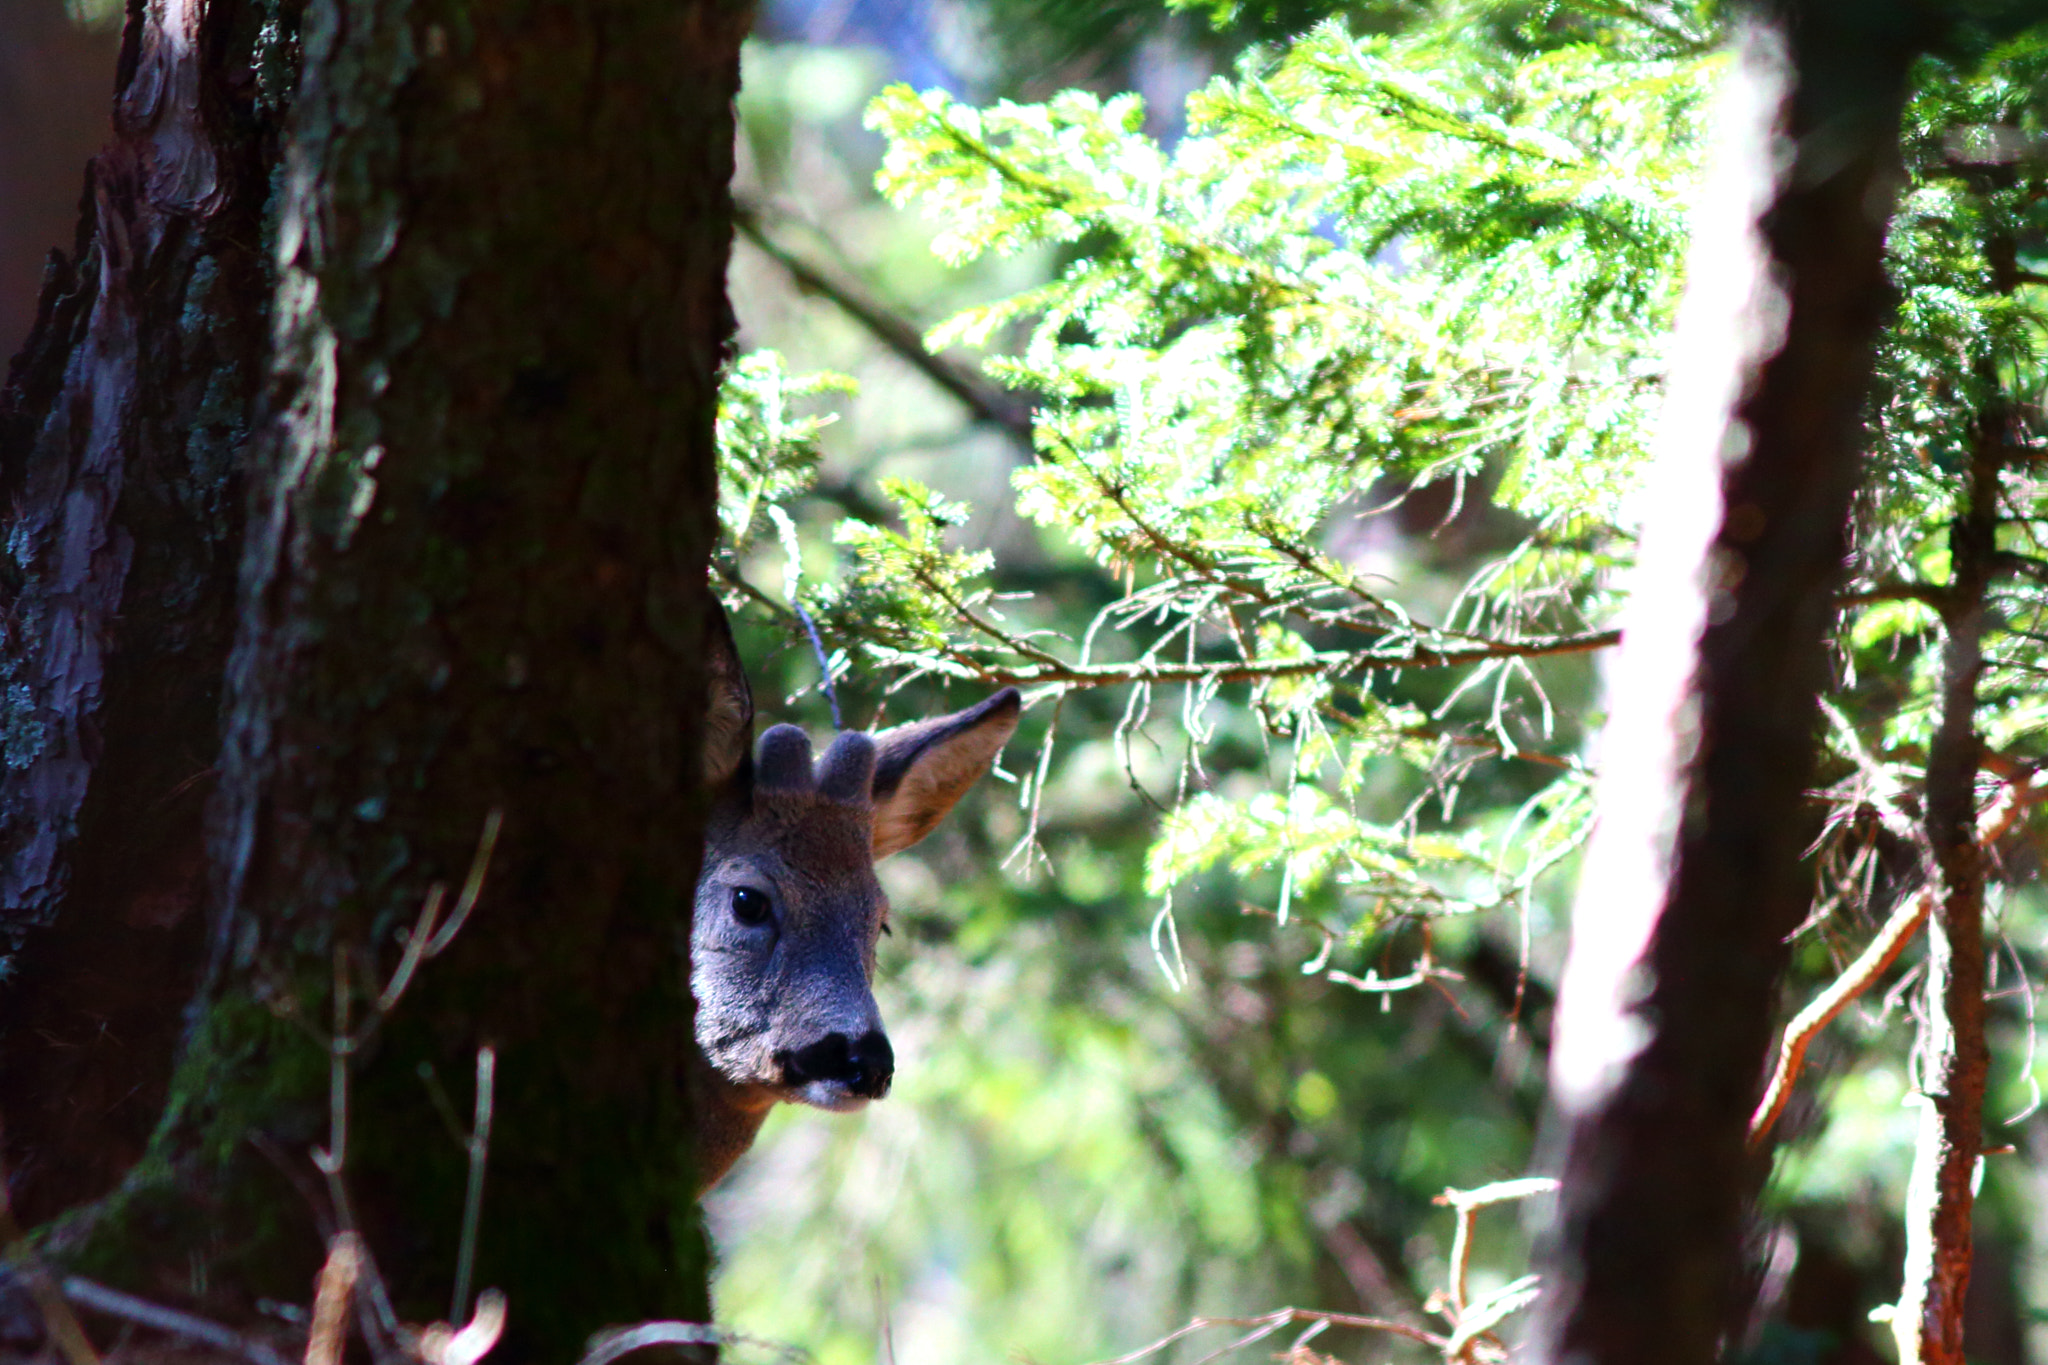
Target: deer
[788,910]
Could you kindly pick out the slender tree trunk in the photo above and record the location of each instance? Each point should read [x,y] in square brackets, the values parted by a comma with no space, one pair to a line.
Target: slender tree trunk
[1941,1193]
[430,295]
[1693,882]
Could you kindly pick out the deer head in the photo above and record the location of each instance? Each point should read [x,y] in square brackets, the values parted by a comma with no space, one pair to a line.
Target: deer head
[788,910]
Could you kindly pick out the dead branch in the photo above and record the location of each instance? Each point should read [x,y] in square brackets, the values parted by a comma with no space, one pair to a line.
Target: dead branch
[1467,1203]
[115,1304]
[349,1259]
[1994,824]
[478,1147]
[330,1299]
[984,400]
[1262,1326]
[1467,1335]
[1869,965]
[441,1344]
[606,1347]
[58,1319]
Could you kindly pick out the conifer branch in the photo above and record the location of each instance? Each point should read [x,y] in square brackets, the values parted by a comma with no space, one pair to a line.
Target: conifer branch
[985,401]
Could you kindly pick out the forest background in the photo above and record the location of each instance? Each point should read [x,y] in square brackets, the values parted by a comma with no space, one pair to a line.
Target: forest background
[1202,1008]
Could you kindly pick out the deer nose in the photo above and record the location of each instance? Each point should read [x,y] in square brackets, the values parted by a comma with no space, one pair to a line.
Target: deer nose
[864,1065]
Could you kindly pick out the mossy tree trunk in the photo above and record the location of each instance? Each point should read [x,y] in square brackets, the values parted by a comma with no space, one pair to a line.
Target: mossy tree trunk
[445,540]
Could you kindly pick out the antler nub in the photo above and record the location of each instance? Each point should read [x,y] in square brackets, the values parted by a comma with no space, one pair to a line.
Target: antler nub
[847,770]
[785,761]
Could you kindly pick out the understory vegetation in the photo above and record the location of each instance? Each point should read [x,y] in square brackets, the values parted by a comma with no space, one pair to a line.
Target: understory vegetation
[1282,448]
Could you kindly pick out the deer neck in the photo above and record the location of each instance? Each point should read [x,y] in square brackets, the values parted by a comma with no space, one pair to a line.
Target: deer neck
[727,1118]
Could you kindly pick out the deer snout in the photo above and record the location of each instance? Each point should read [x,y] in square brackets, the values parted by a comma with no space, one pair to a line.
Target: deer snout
[838,1072]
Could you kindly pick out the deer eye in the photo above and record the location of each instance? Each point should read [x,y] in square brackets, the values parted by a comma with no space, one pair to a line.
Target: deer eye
[749,906]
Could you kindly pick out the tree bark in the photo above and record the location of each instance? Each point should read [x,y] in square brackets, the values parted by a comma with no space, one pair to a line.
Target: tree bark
[1693,882]
[425,367]
[1928,1322]
[119,435]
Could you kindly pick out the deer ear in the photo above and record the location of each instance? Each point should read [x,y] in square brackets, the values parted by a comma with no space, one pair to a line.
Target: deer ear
[728,701]
[922,769]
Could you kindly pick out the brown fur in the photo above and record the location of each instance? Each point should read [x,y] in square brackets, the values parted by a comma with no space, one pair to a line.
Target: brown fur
[784,1006]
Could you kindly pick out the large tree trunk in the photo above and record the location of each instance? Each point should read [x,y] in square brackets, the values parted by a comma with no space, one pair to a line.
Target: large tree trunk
[483,250]
[1693,882]
[120,432]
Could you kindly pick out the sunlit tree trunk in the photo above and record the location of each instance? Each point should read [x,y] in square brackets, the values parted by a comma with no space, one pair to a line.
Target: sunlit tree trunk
[367,457]
[1955,1061]
[1693,884]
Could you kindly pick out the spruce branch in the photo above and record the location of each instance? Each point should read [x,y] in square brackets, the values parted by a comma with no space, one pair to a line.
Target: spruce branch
[985,401]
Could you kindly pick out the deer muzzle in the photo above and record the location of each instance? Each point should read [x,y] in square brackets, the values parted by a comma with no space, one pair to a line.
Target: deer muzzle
[838,1072]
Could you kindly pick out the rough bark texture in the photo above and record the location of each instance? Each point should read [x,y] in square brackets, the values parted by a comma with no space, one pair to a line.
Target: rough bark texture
[363,477]
[1940,1196]
[472,580]
[1679,931]
[119,429]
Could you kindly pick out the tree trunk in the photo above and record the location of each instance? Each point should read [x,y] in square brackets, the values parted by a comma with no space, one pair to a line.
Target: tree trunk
[120,431]
[1955,1059]
[1693,881]
[453,320]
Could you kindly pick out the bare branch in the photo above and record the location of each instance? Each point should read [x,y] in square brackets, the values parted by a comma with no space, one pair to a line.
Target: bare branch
[58,1319]
[984,400]
[1856,978]
[1265,1325]
[127,1307]
[329,1332]
[1233,670]
[606,1347]
[1927,593]
[1994,824]
[479,1149]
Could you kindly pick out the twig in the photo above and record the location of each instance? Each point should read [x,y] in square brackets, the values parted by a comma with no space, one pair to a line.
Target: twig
[114,1304]
[1996,821]
[338,1277]
[824,664]
[1925,593]
[473,885]
[479,1146]
[441,1344]
[987,403]
[415,949]
[606,1347]
[1265,1325]
[1856,978]
[58,1319]
[1467,1203]
[1236,670]
[611,1344]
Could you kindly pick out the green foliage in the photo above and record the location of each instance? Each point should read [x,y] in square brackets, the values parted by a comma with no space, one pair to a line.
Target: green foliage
[1373,265]
[1340,401]
[767,451]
